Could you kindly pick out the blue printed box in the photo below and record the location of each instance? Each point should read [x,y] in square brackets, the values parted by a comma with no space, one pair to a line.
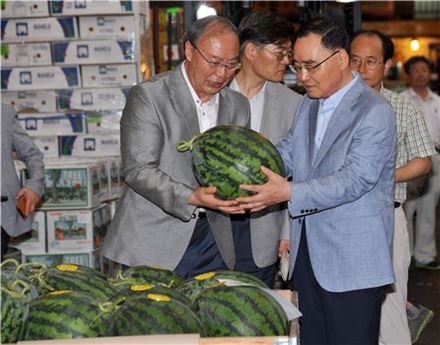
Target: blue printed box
[39,78]
[93,99]
[81,7]
[38,29]
[42,124]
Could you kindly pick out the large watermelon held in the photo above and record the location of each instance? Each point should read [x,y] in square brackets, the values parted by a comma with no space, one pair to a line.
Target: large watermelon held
[226,156]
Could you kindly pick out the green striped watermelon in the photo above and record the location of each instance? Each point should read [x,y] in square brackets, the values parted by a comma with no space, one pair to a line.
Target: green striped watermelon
[193,287]
[67,315]
[147,314]
[76,277]
[226,156]
[151,274]
[240,311]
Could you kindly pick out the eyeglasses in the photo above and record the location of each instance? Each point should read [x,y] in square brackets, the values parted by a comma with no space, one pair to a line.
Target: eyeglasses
[280,55]
[369,63]
[298,68]
[214,64]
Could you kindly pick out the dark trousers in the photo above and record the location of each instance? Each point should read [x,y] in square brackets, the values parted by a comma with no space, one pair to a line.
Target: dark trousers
[202,254]
[5,241]
[244,261]
[350,318]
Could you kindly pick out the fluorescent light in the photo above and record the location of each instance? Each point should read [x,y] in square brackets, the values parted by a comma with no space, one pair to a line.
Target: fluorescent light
[205,11]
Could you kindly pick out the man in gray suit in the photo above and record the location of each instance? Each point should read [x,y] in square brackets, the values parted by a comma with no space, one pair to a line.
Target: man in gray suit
[159,220]
[341,156]
[15,139]
[266,41]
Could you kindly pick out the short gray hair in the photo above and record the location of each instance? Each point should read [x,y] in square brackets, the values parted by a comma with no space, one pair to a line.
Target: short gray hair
[201,25]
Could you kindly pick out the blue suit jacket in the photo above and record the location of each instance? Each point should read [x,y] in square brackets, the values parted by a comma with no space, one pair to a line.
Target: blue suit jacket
[344,192]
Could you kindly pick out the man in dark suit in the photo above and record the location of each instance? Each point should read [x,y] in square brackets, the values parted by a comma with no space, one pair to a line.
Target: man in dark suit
[341,156]
[266,41]
[15,139]
[159,219]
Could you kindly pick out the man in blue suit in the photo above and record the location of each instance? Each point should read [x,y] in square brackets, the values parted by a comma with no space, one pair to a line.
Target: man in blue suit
[340,153]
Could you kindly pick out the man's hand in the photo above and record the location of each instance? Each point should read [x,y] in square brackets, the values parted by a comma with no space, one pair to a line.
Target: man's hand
[32,200]
[283,246]
[204,197]
[274,191]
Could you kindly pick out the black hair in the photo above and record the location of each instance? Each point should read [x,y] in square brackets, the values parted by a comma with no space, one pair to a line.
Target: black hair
[263,28]
[387,43]
[413,60]
[333,36]
[201,25]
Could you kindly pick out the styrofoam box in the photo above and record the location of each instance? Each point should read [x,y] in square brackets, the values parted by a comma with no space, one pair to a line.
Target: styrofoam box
[35,241]
[92,52]
[39,29]
[116,180]
[81,7]
[93,99]
[90,145]
[28,8]
[47,124]
[70,184]
[108,75]
[106,27]
[86,258]
[37,78]
[41,100]
[48,145]
[103,122]
[77,230]
[24,55]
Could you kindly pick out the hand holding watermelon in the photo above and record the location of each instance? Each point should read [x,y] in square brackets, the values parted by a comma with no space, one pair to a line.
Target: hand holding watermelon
[206,197]
[276,190]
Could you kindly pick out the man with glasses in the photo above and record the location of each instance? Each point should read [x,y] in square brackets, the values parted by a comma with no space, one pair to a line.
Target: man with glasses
[265,51]
[163,217]
[341,155]
[370,56]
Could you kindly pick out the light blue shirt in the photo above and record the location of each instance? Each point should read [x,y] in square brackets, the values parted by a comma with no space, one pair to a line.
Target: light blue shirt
[326,108]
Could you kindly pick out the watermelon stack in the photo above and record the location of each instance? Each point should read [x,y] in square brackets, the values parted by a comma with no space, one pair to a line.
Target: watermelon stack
[226,156]
[230,311]
[152,275]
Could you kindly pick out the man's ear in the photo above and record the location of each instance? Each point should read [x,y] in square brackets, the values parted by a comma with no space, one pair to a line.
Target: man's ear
[250,51]
[189,51]
[344,59]
[387,64]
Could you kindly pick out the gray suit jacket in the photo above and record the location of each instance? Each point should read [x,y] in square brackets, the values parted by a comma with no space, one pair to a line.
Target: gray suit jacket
[14,138]
[153,223]
[271,224]
[344,192]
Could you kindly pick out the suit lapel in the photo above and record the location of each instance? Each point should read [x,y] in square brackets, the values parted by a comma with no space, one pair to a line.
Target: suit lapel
[341,119]
[268,119]
[313,118]
[224,109]
[183,99]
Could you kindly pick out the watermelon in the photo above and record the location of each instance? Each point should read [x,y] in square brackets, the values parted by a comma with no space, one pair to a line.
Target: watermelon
[151,274]
[193,287]
[240,311]
[226,156]
[68,314]
[147,314]
[76,277]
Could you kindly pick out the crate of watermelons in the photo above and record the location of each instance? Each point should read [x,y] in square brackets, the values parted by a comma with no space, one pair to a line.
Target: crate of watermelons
[73,302]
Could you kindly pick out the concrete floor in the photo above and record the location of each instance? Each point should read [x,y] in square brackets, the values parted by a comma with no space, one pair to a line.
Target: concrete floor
[424,289]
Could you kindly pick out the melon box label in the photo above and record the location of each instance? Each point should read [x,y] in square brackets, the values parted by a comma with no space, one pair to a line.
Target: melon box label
[29,54]
[42,101]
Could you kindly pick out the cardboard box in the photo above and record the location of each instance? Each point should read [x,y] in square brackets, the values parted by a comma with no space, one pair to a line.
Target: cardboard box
[48,124]
[44,101]
[90,145]
[77,230]
[116,180]
[34,241]
[109,75]
[87,258]
[93,52]
[25,55]
[81,7]
[106,27]
[93,99]
[70,185]
[38,78]
[21,9]
[103,122]
[39,29]
[48,145]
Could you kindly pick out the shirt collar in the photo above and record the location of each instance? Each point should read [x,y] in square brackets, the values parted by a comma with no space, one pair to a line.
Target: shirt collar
[334,99]
[414,94]
[234,86]
[197,100]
